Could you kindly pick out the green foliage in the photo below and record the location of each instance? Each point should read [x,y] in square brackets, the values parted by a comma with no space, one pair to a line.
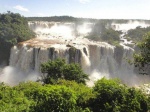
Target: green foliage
[74,19]
[65,96]
[55,98]
[74,72]
[58,69]
[135,101]
[110,35]
[12,100]
[102,32]
[13,29]
[137,34]
[84,93]
[61,19]
[112,96]
[142,59]
[53,69]
[69,96]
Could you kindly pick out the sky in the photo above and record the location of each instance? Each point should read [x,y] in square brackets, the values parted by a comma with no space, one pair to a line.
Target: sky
[99,9]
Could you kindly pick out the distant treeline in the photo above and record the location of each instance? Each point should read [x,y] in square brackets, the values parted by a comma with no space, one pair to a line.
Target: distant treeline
[74,19]
[60,19]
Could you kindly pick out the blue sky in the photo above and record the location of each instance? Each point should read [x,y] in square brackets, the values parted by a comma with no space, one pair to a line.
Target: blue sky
[102,9]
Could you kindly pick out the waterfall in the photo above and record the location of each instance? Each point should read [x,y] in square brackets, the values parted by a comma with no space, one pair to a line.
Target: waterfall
[97,60]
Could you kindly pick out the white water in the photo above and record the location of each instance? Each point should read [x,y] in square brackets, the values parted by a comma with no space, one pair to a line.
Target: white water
[129,25]
[12,75]
[60,30]
[125,27]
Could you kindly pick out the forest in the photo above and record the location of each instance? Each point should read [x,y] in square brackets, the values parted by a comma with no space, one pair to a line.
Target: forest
[62,88]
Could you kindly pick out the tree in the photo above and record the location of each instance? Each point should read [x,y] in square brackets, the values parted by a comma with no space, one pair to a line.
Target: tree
[13,29]
[142,59]
[84,93]
[58,69]
[110,96]
[53,98]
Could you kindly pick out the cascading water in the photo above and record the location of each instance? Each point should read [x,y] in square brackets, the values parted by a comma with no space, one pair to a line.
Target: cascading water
[98,59]
[125,27]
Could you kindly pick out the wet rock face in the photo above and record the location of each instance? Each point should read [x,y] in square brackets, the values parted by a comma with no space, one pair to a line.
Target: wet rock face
[74,55]
[118,54]
[85,51]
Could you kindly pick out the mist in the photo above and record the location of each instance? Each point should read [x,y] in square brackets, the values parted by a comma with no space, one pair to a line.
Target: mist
[13,76]
[61,30]
[129,25]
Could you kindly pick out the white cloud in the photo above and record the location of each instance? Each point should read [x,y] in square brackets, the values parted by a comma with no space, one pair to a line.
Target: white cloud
[84,1]
[21,8]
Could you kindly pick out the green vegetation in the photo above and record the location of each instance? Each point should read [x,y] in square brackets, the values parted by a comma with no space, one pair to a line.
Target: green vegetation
[142,59]
[74,19]
[69,96]
[112,96]
[58,69]
[13,29]
[61,19]
[137,34]
[103,32]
